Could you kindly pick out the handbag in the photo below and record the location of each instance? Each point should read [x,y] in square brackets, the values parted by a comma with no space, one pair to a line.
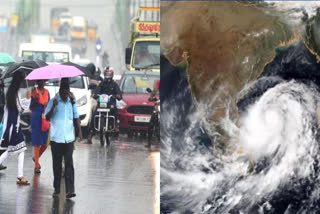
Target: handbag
[45,124]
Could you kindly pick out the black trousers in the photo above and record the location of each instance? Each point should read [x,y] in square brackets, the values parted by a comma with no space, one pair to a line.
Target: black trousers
[59,151]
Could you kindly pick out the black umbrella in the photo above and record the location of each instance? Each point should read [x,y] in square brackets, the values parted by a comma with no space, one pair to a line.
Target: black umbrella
[87,72]
[25,66]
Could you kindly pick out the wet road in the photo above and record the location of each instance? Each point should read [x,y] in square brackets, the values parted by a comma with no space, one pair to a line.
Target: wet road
[121,179]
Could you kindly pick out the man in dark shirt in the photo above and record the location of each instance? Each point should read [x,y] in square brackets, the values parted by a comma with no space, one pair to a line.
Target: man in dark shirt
[109,87]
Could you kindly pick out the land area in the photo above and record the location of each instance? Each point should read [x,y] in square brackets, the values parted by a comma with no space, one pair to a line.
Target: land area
[225,45]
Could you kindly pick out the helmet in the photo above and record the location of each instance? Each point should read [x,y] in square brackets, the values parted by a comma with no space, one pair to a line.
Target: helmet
[105,69]
[108,73]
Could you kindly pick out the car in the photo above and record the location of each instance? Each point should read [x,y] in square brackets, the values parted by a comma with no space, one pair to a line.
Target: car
[61,53]
[79,86]
[134,110]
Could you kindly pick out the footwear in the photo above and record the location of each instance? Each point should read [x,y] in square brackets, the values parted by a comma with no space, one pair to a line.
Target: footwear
[34,161]
[55,194]
[22,181]
[70,195]
[2,167]
[88,142]
[37,170]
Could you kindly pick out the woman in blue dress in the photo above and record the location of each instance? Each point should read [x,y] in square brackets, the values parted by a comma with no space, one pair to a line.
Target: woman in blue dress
[39,100]
[12,137]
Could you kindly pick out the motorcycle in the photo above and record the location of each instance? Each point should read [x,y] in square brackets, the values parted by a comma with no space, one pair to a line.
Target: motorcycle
[154,124]
[105,122]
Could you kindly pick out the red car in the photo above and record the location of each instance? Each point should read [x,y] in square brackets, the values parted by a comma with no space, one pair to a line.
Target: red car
[134,110]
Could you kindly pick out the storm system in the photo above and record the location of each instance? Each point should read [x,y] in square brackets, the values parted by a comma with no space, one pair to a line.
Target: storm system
[240,126]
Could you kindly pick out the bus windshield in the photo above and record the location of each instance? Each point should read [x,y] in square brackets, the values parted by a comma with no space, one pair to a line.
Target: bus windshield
[49,57]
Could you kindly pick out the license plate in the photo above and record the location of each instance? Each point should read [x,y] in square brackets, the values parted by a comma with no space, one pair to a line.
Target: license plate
[103,110]
[142,119]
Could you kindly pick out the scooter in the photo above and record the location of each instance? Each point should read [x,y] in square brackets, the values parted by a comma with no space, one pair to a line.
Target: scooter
[105,122]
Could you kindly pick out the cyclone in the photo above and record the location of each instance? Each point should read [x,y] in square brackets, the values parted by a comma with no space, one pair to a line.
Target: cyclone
[274,167]
[240,130]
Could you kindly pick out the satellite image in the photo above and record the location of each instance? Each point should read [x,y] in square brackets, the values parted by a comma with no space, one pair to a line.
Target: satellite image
[240,98]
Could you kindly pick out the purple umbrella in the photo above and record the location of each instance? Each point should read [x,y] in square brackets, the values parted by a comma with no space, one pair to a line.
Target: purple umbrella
[54,71]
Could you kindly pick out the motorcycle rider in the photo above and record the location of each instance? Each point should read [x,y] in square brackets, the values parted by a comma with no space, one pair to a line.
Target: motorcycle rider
[153,118]
[109,87]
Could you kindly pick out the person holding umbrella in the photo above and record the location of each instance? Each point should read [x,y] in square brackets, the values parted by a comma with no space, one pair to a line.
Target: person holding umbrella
[61,113]
[12,136]
[39,100]
[13,68]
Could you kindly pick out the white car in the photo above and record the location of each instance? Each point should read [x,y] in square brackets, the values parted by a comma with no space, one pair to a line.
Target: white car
[60,53]
[79,87]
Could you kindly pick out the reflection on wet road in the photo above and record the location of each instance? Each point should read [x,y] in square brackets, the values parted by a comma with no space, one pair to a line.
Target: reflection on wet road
[122,179]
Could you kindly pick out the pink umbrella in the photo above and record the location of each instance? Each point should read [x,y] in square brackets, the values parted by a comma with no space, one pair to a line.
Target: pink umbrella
[54,71]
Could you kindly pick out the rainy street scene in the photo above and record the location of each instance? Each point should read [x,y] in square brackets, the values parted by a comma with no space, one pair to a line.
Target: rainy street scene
[80,106]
